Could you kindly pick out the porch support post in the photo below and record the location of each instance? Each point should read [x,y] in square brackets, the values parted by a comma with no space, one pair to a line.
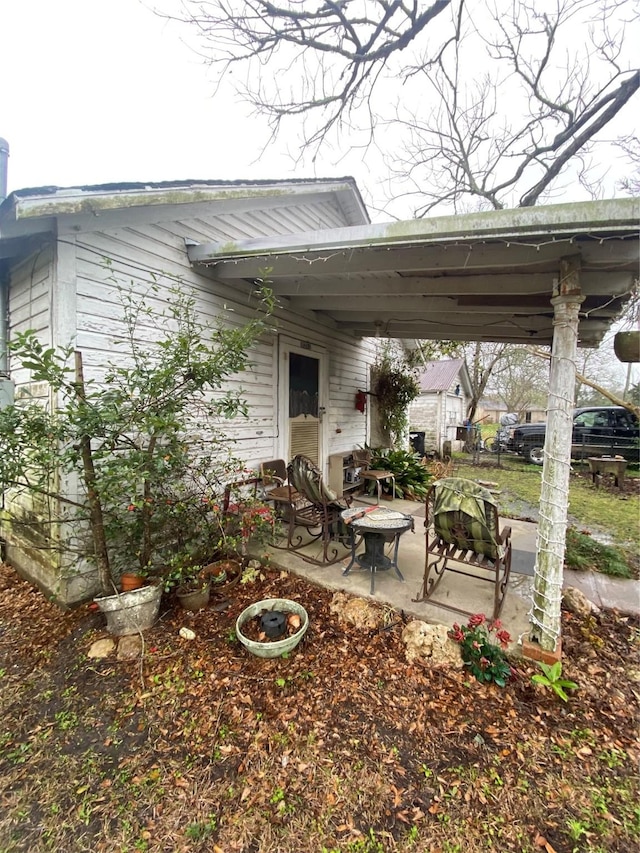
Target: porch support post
[554,497]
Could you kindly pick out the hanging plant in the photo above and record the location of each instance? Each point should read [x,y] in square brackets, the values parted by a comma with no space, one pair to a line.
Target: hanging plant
[395,387]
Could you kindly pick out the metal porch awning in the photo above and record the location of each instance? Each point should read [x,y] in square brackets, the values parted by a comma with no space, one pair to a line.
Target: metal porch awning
[476,277]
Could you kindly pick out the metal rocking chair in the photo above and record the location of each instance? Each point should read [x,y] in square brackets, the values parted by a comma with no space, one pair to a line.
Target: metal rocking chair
[321,514]
[462,525]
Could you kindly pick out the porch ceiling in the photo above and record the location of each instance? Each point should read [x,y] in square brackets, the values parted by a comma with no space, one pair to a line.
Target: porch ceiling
[477,277]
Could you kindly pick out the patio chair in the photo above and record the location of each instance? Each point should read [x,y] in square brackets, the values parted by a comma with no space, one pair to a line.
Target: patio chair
[286,500]
[362,460]
[273,473]
[320,516]
[462,525]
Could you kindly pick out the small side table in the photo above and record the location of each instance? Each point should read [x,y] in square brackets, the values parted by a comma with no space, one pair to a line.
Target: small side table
[378,526]
[607,465]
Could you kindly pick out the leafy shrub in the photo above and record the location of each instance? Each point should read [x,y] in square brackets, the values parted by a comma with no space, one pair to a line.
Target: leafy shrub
[412,477]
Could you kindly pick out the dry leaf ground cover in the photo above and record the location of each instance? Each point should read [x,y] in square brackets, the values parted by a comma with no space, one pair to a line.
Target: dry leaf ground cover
[342,746]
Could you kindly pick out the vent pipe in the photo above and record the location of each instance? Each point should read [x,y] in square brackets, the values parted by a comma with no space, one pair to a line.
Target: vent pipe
[4,167]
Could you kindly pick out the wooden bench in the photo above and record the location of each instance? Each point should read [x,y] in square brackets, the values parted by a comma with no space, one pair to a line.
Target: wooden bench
[599,465]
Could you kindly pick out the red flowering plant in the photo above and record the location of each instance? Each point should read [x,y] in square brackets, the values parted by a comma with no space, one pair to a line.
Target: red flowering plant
[118,452]
[247,516]
[482,646]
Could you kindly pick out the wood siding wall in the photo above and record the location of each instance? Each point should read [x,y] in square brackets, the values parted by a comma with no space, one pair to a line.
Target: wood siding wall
[141,251]
[30,307]
[438,413]
[69,294]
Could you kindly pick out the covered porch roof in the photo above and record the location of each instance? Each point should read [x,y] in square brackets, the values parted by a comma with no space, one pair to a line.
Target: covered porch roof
[475,277]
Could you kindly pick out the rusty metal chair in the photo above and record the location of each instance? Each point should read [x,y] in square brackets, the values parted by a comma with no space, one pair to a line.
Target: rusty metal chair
[462,534]
[286,500]
[320,516]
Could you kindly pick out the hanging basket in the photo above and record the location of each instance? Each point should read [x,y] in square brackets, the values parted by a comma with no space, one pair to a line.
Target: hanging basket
[626,346]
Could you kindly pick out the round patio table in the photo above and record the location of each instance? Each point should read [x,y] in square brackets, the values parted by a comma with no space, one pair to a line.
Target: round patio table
[378,526]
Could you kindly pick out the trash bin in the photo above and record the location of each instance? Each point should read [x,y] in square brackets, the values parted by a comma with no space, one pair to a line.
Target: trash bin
[416,440]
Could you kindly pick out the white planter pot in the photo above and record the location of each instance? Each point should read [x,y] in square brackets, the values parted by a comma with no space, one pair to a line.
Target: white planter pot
[276,647]
[131,612]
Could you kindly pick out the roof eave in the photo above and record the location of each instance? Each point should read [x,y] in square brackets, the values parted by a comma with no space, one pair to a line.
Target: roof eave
[598,218]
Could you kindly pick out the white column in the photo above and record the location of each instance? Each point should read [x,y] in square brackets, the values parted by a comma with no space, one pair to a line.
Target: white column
[554,497]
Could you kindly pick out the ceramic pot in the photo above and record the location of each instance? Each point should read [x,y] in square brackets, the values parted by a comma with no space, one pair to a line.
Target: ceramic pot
[131,612]
[194,599]
[626,346]
[275,648]
[223,573]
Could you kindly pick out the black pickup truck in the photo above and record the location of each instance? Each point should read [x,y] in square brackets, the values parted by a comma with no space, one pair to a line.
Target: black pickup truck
[597,431]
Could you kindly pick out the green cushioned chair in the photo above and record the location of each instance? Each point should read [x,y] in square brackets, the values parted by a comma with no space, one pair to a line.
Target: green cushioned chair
[463,537]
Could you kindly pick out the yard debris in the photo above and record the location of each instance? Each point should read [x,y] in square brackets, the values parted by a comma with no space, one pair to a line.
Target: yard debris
[130,647]
[187,634]
[357,611]
[343,744]
[577,602]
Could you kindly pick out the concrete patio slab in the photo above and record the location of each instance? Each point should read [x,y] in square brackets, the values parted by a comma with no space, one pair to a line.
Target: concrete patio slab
[456,590]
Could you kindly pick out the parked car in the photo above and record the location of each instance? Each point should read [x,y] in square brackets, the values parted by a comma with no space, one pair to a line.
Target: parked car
[597,431]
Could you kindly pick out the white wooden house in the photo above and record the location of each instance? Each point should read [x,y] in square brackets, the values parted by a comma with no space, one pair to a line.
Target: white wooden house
[555,276]
[54,248]
[445,390]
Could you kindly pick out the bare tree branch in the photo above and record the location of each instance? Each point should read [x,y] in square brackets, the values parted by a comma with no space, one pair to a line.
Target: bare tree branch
[609,395]
[333,50]
[506,136]
[484,104]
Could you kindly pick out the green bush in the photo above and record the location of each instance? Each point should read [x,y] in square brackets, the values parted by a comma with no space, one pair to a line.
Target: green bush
[412,477]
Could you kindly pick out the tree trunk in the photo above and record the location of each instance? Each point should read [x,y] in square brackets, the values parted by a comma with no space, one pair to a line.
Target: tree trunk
[95,507]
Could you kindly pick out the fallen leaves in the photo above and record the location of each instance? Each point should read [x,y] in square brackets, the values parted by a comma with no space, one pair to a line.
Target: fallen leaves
[340,739]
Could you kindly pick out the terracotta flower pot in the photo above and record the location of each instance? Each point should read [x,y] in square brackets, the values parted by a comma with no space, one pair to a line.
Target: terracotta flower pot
[129,581]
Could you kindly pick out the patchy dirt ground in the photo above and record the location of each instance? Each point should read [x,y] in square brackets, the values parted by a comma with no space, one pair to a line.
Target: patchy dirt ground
[342,746]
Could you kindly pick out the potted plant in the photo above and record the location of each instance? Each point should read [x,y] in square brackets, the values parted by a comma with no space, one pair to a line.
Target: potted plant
[143,446]
[395,386]
[192,586]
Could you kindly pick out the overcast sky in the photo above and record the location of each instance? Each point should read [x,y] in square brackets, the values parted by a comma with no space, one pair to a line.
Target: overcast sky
[96,91]
[99,91]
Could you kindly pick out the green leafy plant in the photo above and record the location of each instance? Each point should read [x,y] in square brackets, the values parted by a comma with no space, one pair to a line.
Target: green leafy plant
[395,386]
[144,444]
[411,476]
[551,677]
[181,571]
[482,645]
